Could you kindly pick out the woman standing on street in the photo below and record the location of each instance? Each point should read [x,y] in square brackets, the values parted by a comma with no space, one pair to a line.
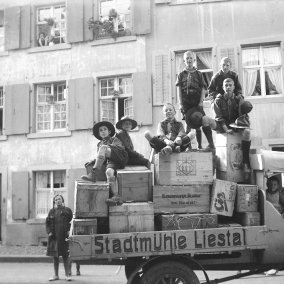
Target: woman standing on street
[57,228]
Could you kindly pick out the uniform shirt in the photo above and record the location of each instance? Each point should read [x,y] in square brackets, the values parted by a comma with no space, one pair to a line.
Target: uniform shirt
[216,84]
[226,109]
[170,129]
[191,84]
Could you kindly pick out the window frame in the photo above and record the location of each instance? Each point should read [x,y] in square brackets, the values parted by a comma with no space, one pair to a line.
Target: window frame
[262,67]
[2,107]
[2,31]
[52,106]
[116,96]
[52,190]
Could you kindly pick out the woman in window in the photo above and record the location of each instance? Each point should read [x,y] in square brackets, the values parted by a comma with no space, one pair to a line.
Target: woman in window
[57,228]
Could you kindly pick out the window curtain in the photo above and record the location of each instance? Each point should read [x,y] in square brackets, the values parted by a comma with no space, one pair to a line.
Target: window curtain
[275,77]
[206,59]
[250,76]
[250,57]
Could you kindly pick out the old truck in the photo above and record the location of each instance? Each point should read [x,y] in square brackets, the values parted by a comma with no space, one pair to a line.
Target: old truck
[172,256]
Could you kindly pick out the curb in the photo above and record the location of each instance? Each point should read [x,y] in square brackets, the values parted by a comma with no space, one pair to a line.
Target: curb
[25,258]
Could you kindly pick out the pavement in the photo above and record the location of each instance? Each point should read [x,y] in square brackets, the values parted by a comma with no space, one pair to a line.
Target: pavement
[23,253]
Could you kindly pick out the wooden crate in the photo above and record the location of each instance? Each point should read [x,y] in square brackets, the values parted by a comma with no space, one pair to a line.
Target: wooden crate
[186,221]
[184,168]
[131,217]
[248,218]
[90,199]
[182,199]
[246,198]
[223,197]
[84,226]
[135,184]
[229,157]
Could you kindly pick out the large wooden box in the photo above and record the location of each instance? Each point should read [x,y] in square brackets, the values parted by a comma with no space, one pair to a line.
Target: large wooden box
[131,217]
[184,168]
[229,157]
[223,197]
[135,184]
[182,199]
[248,218]
[84,226]
[247,198]
[90,199]
[186,221]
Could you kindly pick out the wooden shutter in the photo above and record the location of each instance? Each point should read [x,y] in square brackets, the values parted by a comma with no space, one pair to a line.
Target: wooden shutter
[12,27]
[81,97]
[161,80]
[88,13]
[72,175]
[75,18]
[141,12]
[142,98]
[231,53]
[25,29]
[17,109]
[20,195]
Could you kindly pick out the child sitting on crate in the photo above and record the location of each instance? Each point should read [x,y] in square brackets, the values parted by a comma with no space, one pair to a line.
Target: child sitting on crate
[171,134]
[125,124]
[111,153]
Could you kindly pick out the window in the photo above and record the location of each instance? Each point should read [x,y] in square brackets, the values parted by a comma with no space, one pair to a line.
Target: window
[115,18]
[115,98]
[48,184]
[1,110]
[2,45]
[262,70]
[51,25]
[51,112]
[203,63]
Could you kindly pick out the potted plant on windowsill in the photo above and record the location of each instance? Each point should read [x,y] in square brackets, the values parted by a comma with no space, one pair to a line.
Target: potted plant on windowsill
[50,21]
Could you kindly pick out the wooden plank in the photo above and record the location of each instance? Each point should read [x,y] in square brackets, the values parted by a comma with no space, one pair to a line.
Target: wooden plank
[83,226]
[131,217]
[246,198]
[248,218]
[223,197]
[184,168]
[135,185]
[181,199]
[90,199]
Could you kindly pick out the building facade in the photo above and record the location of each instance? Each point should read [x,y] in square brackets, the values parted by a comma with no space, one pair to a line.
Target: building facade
[66,64]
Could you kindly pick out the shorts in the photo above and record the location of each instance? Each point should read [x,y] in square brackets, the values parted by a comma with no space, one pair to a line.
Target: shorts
[118,158]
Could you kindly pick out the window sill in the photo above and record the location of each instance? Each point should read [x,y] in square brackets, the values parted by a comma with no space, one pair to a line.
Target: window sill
[50,48]
[185,2]
[4,53]
[112,40]
[266,99]
[49,135]
[3,137]
[35,221]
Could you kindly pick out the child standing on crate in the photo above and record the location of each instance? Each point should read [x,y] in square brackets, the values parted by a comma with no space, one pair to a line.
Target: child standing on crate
[125,124]
[171,135]
[111,153]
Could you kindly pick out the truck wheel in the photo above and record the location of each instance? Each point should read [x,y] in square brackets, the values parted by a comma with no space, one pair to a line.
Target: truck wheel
[170,272]
[128,269]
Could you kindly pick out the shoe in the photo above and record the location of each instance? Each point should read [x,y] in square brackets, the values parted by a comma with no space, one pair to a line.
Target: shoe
[53,278]
[78,273]
[149,165]
[177,149]
[167,150]
[115,200]
[271,272]
[247,172]
[67,278]
[91,176]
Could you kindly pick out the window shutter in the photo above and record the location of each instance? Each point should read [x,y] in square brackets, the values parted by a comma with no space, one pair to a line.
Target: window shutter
[25,36]
[161,80]
[72,175]
[75,18]
[20,195]
[12,27]
[141,12]
[142,98]
[17,109]
[81,97]
[88,13]
[231,53]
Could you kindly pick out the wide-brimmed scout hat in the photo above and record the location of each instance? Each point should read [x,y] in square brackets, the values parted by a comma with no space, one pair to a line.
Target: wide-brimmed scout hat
[103,123]
[126,118]
[241,122]
[194,116]
[246,107]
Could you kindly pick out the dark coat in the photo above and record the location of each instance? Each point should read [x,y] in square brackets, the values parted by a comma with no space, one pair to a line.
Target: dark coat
[58,223]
